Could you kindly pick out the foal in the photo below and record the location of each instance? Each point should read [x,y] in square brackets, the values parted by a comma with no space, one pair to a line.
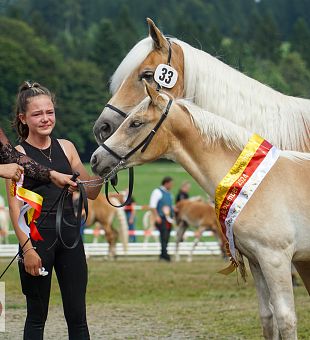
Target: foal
[272,230]
[198,214]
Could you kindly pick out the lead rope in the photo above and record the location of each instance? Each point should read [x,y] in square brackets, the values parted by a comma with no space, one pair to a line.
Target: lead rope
[60,220]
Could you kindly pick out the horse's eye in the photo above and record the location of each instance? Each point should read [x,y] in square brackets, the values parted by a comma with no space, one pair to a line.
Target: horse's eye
[135,124]
[147,75]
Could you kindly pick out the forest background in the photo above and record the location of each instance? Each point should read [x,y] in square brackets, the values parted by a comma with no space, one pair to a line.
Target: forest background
[74,46]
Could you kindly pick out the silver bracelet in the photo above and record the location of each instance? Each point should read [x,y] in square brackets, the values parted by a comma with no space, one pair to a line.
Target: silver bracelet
[28,249]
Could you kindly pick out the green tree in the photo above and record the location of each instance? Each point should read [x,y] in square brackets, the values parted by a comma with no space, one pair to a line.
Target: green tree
[264,37]
[80,99]
[107,49]
[300,40]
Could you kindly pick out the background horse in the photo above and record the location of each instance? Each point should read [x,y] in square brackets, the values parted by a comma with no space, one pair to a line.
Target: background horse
[198,214]
[149,227]
[282,120]
[102,214]
[273,229]
[4,224]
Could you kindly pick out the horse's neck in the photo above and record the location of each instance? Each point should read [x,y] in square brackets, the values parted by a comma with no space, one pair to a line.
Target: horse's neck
[207,164]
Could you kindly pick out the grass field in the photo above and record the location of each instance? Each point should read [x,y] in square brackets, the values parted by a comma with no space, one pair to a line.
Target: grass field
[146,299]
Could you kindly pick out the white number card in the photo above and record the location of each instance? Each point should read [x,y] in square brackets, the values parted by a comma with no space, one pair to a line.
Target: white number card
[166,76]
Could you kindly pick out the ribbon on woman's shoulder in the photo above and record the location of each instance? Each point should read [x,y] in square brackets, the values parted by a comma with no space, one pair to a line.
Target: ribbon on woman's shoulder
[32,206]
[237,187]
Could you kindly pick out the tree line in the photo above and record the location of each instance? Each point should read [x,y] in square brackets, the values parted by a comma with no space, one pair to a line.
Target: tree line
[74,46]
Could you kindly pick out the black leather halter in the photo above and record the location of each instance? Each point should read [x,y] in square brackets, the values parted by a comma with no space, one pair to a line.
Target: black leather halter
[146,141]
[143,146]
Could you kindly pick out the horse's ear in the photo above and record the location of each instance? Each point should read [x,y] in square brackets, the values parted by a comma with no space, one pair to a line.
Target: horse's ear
[158,38]
[152,93]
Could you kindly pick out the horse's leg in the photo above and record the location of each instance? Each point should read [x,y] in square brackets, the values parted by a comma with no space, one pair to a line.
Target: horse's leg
[97,228]
[180,232]
[276,268]
[303,269]
[269,323]
[111,239]
[199,232]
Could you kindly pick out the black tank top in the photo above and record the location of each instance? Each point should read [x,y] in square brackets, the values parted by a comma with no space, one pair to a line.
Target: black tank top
[59,162]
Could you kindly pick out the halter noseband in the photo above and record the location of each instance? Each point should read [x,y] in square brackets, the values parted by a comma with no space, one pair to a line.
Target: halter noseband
[146,141]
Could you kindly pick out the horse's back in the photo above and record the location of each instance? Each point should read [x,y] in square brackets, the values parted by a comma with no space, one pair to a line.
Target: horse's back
[196,212]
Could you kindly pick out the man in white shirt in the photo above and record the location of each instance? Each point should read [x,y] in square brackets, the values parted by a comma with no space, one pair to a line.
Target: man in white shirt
[162,210]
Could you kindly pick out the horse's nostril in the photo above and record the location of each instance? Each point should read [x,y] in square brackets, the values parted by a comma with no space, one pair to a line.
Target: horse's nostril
[93,160]
[104,131]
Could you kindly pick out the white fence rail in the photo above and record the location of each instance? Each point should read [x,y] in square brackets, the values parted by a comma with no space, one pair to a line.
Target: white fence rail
[134,249]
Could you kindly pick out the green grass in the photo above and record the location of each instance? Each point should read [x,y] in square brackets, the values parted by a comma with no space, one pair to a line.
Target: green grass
[189,297]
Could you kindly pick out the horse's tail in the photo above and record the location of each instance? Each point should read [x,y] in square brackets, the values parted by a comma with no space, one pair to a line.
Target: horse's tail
[241,265]
[120,213]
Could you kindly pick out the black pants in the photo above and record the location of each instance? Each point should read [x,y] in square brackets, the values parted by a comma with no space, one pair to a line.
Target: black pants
[71,270]
[164,229]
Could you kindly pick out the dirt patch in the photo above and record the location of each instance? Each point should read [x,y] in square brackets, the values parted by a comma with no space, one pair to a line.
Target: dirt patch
[105,322]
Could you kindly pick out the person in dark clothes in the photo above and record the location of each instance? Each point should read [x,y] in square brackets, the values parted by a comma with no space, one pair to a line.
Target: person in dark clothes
[162,209]
[131,216]
[14,163]
[34,122]
[183,193]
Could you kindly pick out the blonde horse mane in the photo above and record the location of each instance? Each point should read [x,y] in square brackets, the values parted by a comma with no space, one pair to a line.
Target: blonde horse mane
[219,88]
[215,128]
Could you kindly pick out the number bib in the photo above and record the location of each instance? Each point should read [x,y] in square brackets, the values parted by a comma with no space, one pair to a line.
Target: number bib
[165,76]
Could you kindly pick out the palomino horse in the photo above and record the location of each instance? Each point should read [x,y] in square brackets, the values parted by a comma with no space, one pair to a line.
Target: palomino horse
[199,214]
[212,85]
[102,214]
[272,230]
[149,227]
[4,224]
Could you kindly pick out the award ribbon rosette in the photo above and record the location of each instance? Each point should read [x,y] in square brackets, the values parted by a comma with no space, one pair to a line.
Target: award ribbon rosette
[32,206]
[237,187]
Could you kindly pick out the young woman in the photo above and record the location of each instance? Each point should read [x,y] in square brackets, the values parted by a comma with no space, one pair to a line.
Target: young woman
[14,163]
[34,122]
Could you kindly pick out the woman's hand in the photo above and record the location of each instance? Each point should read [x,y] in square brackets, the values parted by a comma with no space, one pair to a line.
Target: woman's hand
[11,171]
[32,262]
[61,180]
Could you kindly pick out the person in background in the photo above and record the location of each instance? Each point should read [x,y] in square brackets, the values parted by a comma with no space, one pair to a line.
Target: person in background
[13,163]
[131,217]
[162,209]
[183,193]
[4,222]
[34,122]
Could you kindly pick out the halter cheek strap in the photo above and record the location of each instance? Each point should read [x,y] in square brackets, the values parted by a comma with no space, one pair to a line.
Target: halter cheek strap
[122,159]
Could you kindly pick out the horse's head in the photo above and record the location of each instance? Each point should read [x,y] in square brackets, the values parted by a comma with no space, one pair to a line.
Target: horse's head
[127,82]
[144,136]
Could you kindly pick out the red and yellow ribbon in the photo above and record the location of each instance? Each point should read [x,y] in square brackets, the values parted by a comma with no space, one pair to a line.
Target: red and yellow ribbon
[237,187]
[34,201]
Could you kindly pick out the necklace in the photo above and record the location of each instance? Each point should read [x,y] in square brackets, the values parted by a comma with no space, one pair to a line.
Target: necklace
[47,156]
